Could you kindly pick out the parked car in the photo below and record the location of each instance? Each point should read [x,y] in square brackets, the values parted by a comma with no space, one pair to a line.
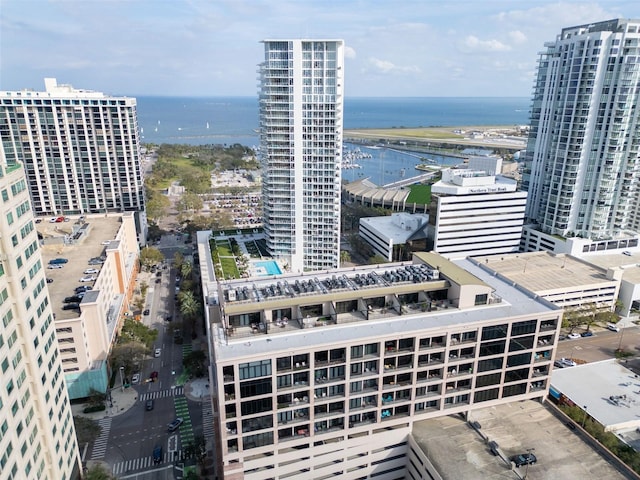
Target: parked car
[57,261]
[55,267]
[49,280]
[613,327]
[157,454]
[524,459]
[59,220]
[88,279]
[145,311]
[89,271]
[588,333]
[573,336]
[173,426]
[564,362]
[158,280]
[73,299]
[83,288]
[71,306]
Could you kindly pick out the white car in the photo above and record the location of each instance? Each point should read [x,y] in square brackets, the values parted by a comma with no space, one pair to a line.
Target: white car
[157,353]
[573,336]
[88,279]
[135,378]
[565,362]
[613,327]
[89,271]
[54,266]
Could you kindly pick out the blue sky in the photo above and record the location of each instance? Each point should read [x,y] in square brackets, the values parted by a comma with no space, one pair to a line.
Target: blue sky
[212,47]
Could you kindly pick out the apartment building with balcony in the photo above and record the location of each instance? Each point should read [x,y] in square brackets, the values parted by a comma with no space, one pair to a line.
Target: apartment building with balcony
[37,433]
[301,112]
[582,160]
[323,374]
[80,149]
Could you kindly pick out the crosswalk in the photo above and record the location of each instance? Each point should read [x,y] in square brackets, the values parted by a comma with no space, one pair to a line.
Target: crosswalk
[142,463]
[170,392]
[208,430]
[100,445]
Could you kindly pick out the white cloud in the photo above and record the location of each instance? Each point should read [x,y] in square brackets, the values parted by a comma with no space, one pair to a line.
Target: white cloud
[472,44]
[349,52]
[517,37]
[385,66]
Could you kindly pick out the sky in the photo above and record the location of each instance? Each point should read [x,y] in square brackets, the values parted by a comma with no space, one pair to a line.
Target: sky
[393,48]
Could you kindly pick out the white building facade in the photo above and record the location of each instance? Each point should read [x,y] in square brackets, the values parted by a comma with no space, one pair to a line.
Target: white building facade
[80,149]
[301,111]
[476,212]
[582,160]
[37,433]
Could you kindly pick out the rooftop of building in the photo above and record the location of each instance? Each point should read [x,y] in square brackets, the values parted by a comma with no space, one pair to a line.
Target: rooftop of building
[399,227]
[608,389]
[458,452]
[507,301]
[99,230]
[628,261]
[544,272]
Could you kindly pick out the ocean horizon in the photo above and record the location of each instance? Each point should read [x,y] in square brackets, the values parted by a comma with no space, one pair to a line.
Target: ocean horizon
[229,120]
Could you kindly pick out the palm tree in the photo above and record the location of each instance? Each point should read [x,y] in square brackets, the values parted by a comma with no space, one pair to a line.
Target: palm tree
[344,257]
[186,269]
[189,306]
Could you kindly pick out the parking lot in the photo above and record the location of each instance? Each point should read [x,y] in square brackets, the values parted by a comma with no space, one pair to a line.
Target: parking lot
[459,453]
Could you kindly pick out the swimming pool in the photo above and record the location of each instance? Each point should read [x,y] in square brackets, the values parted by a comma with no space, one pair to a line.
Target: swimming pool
[268,267]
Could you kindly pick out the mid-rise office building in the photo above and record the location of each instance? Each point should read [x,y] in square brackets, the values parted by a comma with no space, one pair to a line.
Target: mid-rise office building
[80,149]
[476,211]
[582,161]
[37,433]
[323,375]
[301,111]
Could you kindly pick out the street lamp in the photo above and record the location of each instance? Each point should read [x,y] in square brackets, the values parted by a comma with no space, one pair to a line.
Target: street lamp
[526,469]
[122,377]
[584,420]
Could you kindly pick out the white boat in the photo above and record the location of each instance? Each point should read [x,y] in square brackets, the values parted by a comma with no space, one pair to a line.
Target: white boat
[207,124]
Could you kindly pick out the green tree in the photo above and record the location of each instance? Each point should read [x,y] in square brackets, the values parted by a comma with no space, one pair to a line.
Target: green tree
[150,256]
[129,355]
[186,269]
[98,472]
[156,206]
[133,331]
[189,306]
[344,257]
[572,319]
[178,260]
[189,203]
[87,430]
[194,363]
[377,260]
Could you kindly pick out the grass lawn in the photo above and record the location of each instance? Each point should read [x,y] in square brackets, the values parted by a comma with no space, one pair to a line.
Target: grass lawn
[427,133]
[420,194]
[224,249]
[229,267]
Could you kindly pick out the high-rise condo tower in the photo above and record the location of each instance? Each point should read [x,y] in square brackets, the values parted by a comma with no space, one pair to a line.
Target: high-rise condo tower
[582,159]
[301,110]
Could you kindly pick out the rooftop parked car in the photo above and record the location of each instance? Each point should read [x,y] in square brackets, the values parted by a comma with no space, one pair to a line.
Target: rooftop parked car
[73,299]
[49,280]
[175,424]
[88,279]
[573,336]
[564,362]
[57,261]
[83,288]
[524,459]
[55,267]
[71,306]
[89,271]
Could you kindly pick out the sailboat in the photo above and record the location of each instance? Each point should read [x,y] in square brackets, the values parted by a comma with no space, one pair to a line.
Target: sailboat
[207,125]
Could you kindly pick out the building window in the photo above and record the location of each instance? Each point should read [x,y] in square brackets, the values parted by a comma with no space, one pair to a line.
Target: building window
[495,331]
[254,369]
[486,395]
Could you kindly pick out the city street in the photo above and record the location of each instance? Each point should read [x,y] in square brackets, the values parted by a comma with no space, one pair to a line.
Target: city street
[601,346]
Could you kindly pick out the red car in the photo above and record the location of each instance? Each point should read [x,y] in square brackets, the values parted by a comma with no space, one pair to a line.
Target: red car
[59,219]
[154,376]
